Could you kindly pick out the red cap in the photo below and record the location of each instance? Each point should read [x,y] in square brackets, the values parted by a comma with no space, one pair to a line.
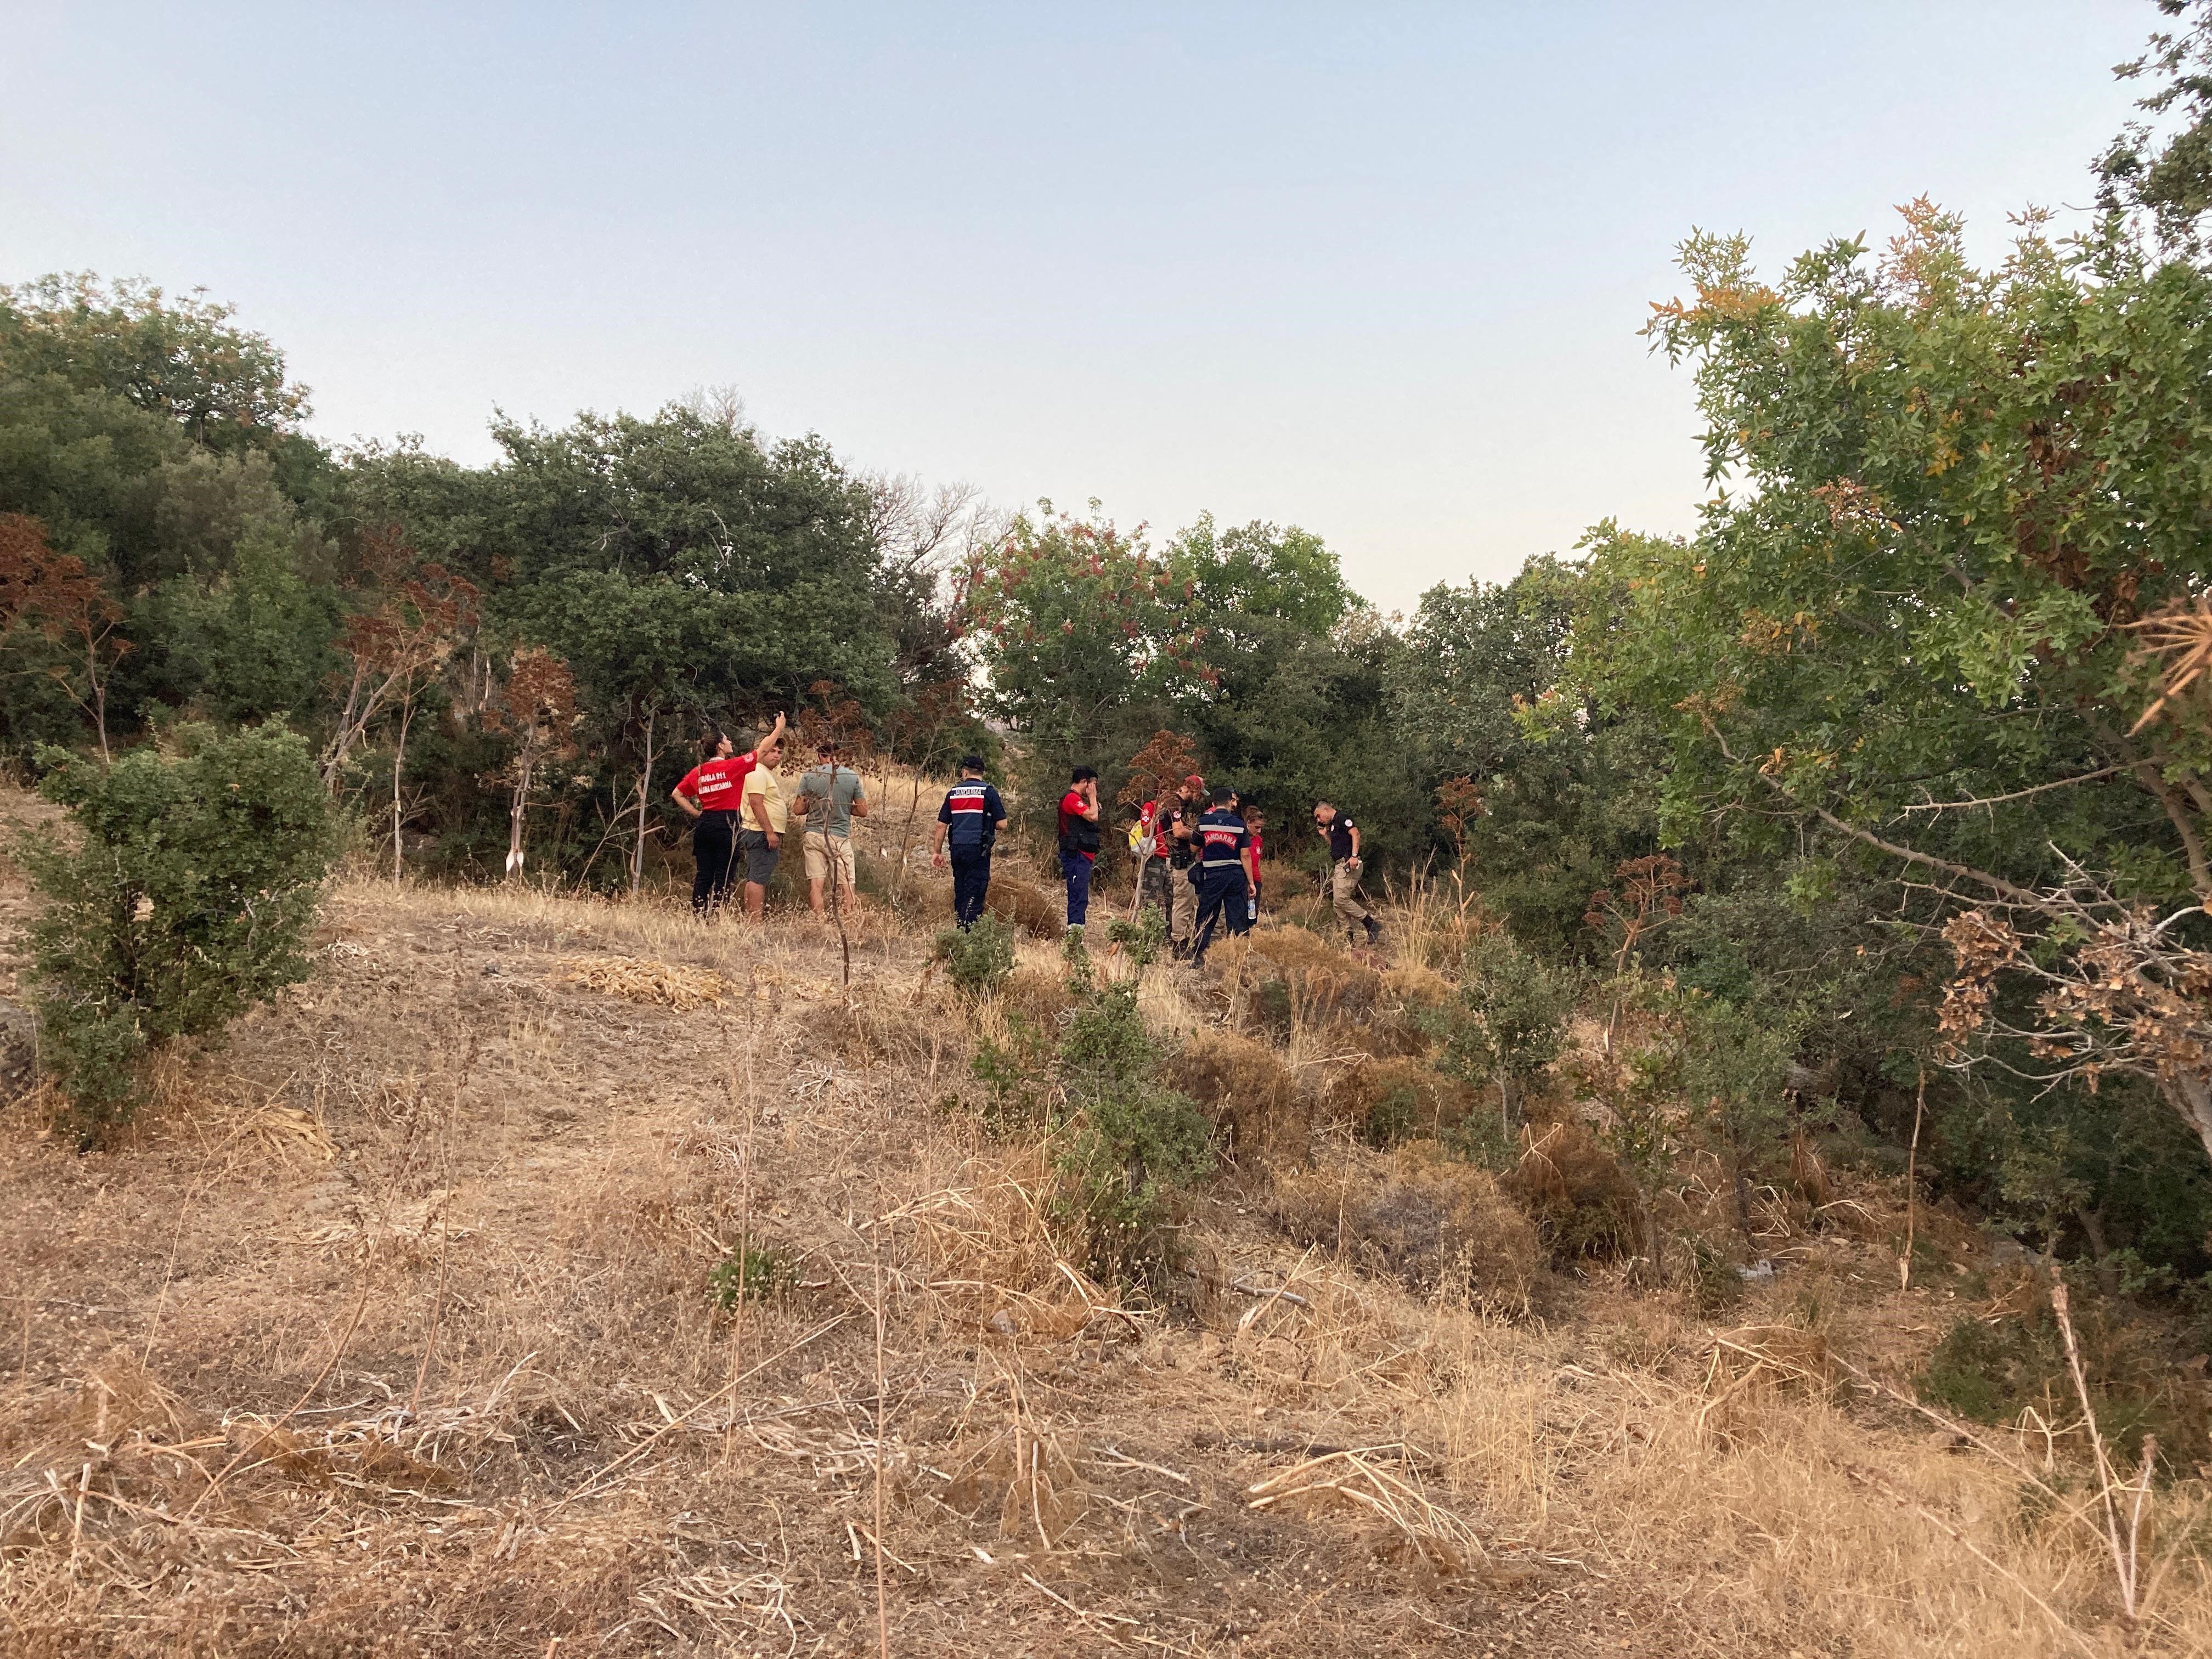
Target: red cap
[1194,779]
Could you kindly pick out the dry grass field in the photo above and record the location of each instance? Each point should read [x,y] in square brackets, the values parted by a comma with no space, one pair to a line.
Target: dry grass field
[388,1331]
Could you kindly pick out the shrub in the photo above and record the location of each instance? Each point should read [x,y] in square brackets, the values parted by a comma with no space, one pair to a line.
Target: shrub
[1710,1276]
[1248,1091]
[1388,1101]
[189,897]
[752,1272]
[1509,1021]
[979,959]
[1294,978]
[1136,1142]
[1017,1073]
[1140,940]
[1585,1204]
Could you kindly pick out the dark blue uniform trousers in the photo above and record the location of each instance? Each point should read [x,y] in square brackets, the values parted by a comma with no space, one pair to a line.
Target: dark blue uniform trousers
[971,883]
[1075,867]
[1220,899]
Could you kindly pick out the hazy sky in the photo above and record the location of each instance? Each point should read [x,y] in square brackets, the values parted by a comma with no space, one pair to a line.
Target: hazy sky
[1373,268]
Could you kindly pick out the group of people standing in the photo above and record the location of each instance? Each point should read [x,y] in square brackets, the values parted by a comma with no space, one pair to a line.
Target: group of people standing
[1197,853]
[740,817]
[1198,861]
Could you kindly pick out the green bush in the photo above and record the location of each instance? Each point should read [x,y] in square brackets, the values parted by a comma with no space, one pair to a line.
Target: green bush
[979,958]
[1124,1143]
[1136,1143]
[1017,1073]
[752,1272]
[1140,939]
[1511,1019]
[188,898]
[1395,1117]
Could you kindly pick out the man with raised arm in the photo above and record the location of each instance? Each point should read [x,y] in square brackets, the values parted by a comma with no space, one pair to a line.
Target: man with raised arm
[709,794]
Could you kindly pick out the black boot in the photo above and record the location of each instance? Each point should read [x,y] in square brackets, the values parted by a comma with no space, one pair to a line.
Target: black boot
[1374,931]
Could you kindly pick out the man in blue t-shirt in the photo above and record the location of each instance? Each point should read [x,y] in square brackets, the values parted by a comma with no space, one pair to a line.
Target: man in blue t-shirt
[1224,873]
[967,823]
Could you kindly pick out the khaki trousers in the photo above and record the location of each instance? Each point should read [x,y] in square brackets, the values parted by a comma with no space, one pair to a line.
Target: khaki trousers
[1182,909]
[1344,888]
[825,850]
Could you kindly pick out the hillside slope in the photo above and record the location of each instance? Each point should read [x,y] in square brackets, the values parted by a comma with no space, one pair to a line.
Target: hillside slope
[388,1332]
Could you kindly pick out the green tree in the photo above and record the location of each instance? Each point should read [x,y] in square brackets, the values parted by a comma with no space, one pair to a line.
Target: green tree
[1560,791]
[188,896]
[2164,168]
[176,358]
[1083,647]
[1916,625]
[1509,1023]
[1288,700]
[158,444]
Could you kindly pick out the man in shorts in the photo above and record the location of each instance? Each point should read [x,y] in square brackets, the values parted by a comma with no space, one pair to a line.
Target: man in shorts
[760,842]
[830,796]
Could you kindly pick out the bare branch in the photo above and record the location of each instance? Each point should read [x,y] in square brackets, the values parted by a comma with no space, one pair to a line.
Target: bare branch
[2017,794]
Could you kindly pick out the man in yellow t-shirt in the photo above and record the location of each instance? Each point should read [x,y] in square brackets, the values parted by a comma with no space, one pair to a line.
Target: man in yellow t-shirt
[760,841]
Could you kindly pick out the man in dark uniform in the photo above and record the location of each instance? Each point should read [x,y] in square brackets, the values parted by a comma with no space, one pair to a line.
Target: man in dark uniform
[1226,877]
[1176,827]
[968,824]
[1342,835]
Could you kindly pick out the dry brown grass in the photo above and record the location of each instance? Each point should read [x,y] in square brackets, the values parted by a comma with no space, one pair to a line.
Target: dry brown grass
[1441,1224]
[680,989]
[1027,905]
[1396,1098]
[1583,1198]
[1250,1092]
[387,1333]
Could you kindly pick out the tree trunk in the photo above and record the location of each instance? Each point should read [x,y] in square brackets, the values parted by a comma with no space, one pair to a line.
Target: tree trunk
[527,763]
[348,729]
[906,835]
[99,695]
[644,794]
[2191,1097]
[399,760]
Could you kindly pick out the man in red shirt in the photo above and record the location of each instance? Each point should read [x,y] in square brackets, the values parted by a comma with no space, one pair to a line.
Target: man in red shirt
[709,794]
[1079,840]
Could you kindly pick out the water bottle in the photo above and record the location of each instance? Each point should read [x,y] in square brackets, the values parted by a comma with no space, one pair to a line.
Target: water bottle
[1251,906]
